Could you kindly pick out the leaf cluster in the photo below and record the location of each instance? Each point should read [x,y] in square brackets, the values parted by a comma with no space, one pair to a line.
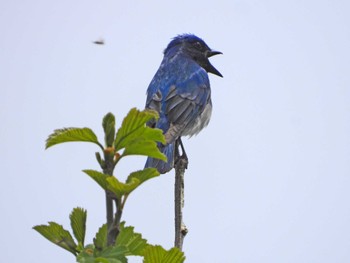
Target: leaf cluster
[128,243]
[134,137]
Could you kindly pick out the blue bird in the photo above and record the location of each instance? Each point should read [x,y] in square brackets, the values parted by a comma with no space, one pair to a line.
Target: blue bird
[180,93]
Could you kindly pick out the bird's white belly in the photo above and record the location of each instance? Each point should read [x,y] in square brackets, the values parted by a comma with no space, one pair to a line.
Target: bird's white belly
[199,123]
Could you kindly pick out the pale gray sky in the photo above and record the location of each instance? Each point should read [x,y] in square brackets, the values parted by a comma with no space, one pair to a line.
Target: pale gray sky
[268,180]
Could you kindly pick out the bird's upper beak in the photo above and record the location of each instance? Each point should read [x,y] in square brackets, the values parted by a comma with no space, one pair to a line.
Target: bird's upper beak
[210,67]
[211,53]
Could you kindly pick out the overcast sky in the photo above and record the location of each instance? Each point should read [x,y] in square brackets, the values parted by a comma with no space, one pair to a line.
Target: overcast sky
[268,179]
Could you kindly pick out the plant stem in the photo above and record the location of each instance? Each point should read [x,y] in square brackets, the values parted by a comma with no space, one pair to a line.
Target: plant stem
[108,169]
[109,213]
[180,167]
[114,229]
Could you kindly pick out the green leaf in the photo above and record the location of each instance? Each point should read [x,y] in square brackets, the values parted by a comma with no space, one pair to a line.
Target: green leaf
[114,254]
[131,240]
[137,178]
[117,187]
[87,255]
[136,137]
[99,177]
[112,184]
[157,254]
[131,126]
[108,125]
[104,260]
[134,180]
[72,135]
[143,147]
[78,224]
[57,235]
[100,240]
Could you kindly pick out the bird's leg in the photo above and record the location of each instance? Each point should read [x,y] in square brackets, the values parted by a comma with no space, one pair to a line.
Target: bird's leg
[183,157]
[177,153]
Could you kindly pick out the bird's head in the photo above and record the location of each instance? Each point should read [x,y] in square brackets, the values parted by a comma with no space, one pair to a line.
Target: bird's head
[197,49]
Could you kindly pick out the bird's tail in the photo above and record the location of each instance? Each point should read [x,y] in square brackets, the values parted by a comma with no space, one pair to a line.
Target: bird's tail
[163,167]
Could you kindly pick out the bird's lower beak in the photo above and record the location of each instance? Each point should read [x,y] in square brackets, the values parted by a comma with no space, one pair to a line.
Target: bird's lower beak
[210,68]
[213,70]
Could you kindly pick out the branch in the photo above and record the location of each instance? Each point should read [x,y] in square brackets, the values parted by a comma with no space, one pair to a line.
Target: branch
[180,167]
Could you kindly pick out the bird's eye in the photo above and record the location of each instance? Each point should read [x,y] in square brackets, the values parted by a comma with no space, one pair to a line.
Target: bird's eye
[198,45]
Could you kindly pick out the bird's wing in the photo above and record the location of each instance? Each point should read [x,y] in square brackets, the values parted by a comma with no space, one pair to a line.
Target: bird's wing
[185,102]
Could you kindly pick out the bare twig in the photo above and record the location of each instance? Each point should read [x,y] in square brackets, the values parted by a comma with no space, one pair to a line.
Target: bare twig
[180,167]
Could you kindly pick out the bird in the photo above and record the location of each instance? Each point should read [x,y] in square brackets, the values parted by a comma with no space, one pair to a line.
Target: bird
[180,93]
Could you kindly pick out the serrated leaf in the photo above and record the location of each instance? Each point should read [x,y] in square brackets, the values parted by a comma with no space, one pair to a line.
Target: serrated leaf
[157,254]
[131,240]
[71,135]
[134,180]
[117,187]
[114,252]
[174,255]
[131,125]
[108,255]
[137,178]
[100,240]
[99,177]
[78,224]
[57,235]
[108,125]
[136,137]
[144,147]
[86,255]
[104,260]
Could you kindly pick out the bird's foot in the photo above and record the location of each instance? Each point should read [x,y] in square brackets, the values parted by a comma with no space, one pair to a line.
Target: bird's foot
[181,161]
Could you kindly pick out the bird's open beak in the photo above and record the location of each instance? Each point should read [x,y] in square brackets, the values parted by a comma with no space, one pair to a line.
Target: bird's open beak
[210,67]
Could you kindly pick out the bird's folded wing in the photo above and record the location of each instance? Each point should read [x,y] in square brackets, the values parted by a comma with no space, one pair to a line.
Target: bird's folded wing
[183,106]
